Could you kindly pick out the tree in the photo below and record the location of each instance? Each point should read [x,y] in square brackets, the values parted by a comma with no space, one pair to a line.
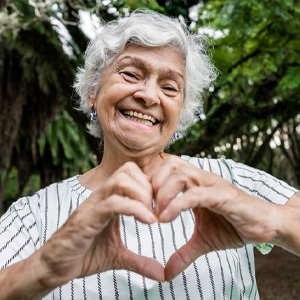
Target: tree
[252,115]
[36,75]
[37,67]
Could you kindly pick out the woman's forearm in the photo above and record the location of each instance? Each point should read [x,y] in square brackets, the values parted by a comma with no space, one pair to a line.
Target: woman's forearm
[23,280]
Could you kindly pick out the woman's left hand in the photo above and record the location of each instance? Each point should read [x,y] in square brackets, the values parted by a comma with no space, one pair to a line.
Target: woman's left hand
[225,216]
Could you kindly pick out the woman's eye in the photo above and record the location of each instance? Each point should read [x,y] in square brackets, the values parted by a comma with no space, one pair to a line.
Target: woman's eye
[130,75]
[170,89]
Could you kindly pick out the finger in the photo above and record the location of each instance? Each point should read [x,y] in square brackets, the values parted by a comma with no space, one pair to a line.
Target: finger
[103,211]
[169,190]
[187,200]
[182,258]
[137,175]
[129,181]
[223,199]
[124,185]
[232,204]
[142,265]
[169,165]
[167,182]
[174,176]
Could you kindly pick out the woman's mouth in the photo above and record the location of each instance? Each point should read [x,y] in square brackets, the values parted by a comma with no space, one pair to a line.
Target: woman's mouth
[139,117]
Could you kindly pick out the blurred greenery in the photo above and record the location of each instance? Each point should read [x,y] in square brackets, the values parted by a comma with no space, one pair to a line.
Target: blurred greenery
[251,114]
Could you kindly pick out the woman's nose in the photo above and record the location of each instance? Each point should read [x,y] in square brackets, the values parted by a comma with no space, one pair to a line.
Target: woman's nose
[148,92]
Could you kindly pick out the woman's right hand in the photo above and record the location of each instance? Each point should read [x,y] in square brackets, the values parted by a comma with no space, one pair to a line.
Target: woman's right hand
[89,241]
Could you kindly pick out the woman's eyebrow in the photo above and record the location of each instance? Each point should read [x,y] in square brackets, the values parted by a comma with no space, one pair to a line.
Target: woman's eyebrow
[171,74]
[126,60]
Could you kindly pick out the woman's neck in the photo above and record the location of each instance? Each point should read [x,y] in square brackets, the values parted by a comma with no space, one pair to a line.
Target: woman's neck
[111,162]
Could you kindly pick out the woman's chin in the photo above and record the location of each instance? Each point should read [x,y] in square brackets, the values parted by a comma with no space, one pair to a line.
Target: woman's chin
[143,146]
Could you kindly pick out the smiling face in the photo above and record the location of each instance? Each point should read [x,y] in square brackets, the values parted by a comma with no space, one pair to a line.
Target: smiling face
[140,98]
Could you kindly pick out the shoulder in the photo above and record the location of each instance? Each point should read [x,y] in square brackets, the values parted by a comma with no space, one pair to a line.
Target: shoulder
[249,179]
[52,194]
[220,166]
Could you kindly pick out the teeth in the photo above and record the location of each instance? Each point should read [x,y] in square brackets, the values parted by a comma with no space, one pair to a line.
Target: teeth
[146,122]
[139,117]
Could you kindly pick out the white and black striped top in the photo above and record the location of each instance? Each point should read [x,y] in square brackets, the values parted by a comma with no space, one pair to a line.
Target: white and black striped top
[218,275]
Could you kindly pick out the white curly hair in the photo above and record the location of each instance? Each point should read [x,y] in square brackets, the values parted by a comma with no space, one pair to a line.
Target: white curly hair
[149,29]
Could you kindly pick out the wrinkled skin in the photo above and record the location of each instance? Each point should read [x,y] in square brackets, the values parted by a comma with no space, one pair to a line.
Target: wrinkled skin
[90,241]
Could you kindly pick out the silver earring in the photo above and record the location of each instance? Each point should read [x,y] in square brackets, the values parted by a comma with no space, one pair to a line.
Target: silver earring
[93,113]
[175,136]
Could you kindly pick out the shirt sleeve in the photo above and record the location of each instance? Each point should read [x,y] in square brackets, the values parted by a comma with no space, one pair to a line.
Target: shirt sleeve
[261,185]
[19,236]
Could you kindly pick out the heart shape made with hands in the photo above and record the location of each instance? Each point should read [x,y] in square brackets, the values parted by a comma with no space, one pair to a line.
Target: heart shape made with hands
[160,241]
[172,241]
[191,223]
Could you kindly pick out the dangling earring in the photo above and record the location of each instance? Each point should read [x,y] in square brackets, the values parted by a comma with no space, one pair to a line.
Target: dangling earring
[175,136]
[93,113]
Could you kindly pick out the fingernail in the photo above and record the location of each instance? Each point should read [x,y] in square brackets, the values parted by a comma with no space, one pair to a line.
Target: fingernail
[156,210]
[150,217]
[164,216]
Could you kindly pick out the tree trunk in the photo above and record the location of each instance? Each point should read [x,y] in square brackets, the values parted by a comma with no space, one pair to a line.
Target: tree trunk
[12,100]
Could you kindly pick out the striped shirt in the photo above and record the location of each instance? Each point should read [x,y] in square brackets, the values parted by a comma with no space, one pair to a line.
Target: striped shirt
[227,274]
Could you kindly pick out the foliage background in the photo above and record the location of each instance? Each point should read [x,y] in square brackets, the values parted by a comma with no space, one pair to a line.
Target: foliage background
[252,114]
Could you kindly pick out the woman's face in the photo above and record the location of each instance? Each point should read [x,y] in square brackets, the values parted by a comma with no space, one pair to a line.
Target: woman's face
[140,98]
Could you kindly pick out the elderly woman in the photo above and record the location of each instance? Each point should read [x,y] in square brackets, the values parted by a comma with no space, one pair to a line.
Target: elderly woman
[144,224]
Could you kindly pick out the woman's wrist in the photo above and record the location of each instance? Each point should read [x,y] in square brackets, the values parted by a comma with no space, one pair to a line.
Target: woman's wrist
[24,280]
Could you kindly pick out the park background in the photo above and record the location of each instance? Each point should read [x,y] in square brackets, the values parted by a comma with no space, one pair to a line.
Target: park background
[251,114]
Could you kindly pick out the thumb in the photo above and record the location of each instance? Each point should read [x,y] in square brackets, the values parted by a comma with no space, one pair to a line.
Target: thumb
[181,259]
[142,265]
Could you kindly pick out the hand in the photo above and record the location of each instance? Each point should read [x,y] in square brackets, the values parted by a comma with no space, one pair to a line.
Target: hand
[89,242]
[224,214]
